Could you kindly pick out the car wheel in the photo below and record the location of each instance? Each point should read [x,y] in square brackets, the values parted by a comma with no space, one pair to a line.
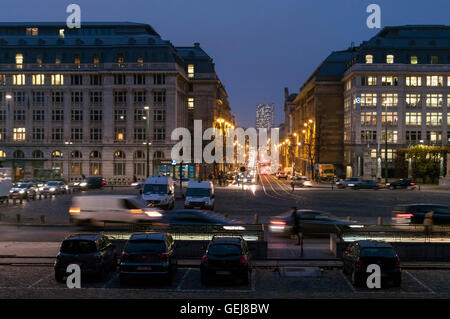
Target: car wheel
[59,278]
[392,187]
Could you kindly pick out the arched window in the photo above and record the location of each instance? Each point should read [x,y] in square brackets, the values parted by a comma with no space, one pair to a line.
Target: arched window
[139,155]
[2,154]
[119,155]
[158,155]
[76,154]
[38,154]
[57,154]
[95,154]
[18,154]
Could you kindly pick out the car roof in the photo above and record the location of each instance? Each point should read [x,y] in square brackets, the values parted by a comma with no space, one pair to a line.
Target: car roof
[92,237]
[148,236]
[373,244]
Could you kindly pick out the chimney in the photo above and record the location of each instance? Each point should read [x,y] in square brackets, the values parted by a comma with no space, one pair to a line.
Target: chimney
[197,45]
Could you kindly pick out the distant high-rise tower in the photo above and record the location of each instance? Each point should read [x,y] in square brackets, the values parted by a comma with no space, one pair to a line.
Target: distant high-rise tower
[264,115]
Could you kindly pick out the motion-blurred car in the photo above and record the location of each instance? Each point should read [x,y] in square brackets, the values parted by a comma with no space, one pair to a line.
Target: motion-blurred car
[97,209]
[192,217]
[415,214]
[94,182]
[226,256]
[311,222]
[366,184]
[55,187]
[402,183]
[281,174]
[24,191]
[302,181]
[361,254]
[148,254]
[348,182]
[137,185]
[94,253]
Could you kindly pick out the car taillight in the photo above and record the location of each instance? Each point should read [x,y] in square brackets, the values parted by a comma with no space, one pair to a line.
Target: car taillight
[359,263]
[404,215]
[278,222]
[397,262]
[412,184]
[164,255]
[103,182]
[74,210]
[204,259]
[243,260]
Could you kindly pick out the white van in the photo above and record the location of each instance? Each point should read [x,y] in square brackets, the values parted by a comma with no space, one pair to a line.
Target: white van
[200,194]
[5,183]
[95,209]
[159,191]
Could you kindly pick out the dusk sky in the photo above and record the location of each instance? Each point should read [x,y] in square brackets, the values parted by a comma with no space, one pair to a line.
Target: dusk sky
[259,46]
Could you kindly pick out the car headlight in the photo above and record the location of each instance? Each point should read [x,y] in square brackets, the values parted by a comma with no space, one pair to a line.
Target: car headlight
[21,191]
[83,184]
[52,189]
[351,184]
[11,191]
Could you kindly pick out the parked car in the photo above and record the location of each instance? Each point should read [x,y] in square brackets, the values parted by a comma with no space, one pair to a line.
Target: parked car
[312,221]
[24,191]
[148,254]
[361,254]
[200,194]
[94,253]
[348,182]
[55,187]
[415,214]
[281,174]
[366,184]
[97,209]
[402,183]
[226,256]
[94,182]
[302,181]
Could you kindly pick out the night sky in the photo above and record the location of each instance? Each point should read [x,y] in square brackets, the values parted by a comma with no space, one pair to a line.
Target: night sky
[259,46]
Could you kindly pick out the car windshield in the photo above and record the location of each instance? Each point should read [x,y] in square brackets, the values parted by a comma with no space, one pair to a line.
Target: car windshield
[92,179]
[224,250]
[52,184]
[155,188]
[78,247]
[154,246]
[203,192]
[378,252]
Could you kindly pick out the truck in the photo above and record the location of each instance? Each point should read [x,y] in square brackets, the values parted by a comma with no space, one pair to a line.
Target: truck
[325,172]
[5,183]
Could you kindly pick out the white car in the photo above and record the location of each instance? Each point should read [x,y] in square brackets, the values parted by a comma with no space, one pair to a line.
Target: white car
[200,194]
[97,209]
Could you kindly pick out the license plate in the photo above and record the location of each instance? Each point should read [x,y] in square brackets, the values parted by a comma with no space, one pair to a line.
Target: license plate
[144,268]
[221,272]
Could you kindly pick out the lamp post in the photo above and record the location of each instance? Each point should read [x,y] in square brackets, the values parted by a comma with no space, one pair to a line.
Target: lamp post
[69,162]
[386,145]
[147,137]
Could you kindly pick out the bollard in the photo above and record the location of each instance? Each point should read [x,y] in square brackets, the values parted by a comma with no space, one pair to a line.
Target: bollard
[256,219]
[18,218]
[42,219]
[380,221]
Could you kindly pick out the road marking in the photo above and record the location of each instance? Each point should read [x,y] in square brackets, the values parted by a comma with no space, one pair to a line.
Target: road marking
[348,282]
[420,282]
[39,281]
[183,279]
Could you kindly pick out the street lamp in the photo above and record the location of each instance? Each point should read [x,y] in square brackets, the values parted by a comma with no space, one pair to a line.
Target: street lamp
[386,144]
[147,137]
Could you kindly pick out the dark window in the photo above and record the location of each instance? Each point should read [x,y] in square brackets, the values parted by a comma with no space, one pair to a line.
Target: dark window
[151,246]
[78,247]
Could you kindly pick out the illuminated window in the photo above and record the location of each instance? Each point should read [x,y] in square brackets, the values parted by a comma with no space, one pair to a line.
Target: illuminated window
[2,154]
[38,79]
[19,60]
[368,99]
[413,118]
[435,80]
[413,81]
[434,119]
[18,79]
[190,103]
[434,100]
[369,59]
[120,59]
[368,118]
[76,59]
[96,59]
[19,134]
[391,154]
[119,134]
[389,99]
[389,59]
[434,136]
[57,79]
[373,153]
[61,33]
[414,59]
[434,59]
[389,81]
[368,80]
[140,61]
[390,117]
[190,70]
[413,100]
[32,32]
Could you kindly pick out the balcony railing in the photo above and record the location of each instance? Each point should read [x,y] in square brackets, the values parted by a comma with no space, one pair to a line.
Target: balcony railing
[88,66]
